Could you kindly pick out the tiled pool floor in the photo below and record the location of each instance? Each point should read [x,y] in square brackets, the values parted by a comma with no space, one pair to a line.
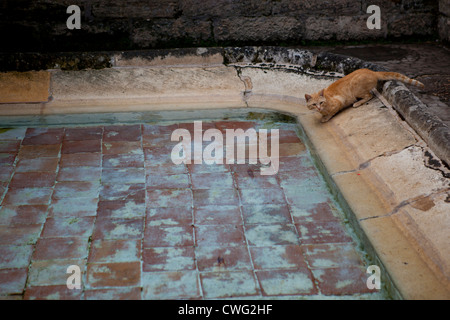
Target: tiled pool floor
[109,200]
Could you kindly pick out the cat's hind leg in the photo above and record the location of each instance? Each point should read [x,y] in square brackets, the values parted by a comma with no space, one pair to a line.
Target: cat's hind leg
[364,99]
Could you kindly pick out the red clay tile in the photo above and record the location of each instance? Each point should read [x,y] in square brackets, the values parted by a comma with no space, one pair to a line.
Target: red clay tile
[167,168]
[123,160]
[174,181]
[39,151]
[27,196]
[170,285]
[19,234]
[248,180]
[309,178]
[218,215]
[27,214]
[228,284]
[323,232]
[122,147]
[169,216]
[332,255]
[158,156]
[157,130]
[212,180]
[58,292]
[291,149]
[168,259]
[37,165]
[83,134]
[314,212]
[73,207]
[261,196]
[84,146]
[286,282]
[121,274]
[208,168]
[14,256]
[341,281]
[219,235]
[288,136]
[76,189]
[149,141]
[6,173]
[61,248]
[68,227]
[289,164]
[174,236]
[123,176]
[169,198]
[7,159]
[11,146]
[115,251]
[12,281]
[3,187]
[79,174]
[111,228]
[39,136]
[122,133]
[32,180]
[278,257]
[132,293]
[210,259]
[122,191]
[206,197]
[271,235]
[266,214]
[80,160]
[125,209]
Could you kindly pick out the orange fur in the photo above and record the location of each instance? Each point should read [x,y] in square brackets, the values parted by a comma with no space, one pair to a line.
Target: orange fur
[347,90]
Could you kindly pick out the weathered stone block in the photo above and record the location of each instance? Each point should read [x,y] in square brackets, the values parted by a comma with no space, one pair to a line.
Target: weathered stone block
[444,28]
[412,24]
[176,32]
[258,29]
[444,7]
[341,28]
[312,7]
[225,8]
[135,9]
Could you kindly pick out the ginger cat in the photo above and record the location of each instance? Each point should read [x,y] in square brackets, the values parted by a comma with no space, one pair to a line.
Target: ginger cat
[347,90]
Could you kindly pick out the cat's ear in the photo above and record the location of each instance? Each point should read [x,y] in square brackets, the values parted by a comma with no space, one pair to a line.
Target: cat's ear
[307,97]
[321,92]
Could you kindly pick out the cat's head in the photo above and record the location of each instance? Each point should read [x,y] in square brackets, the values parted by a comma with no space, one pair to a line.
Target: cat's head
[316,101]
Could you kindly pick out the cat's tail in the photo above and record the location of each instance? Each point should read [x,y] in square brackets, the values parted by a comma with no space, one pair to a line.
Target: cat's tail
[399,77]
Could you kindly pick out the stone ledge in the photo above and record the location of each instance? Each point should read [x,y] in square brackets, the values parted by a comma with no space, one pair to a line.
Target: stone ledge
[28,87]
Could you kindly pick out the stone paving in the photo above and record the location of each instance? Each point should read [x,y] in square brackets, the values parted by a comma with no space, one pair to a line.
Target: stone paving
[110,200]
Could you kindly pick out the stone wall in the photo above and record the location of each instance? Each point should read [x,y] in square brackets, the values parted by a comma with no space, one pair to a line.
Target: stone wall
[444,20]
[29,25]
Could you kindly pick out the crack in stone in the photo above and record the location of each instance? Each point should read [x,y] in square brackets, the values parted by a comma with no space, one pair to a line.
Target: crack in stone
[404,203]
